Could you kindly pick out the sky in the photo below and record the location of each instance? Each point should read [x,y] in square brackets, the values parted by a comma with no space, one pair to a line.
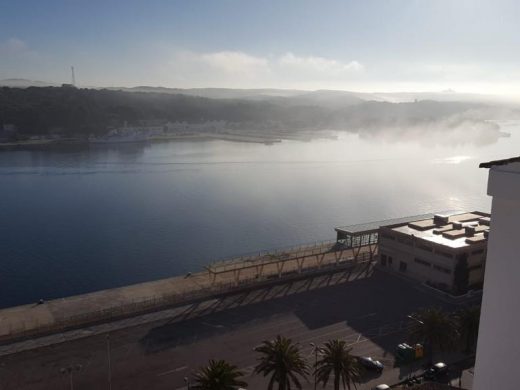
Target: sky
[365,45]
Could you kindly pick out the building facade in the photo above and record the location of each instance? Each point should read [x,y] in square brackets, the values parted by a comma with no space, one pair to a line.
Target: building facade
[498,347]
[446,251]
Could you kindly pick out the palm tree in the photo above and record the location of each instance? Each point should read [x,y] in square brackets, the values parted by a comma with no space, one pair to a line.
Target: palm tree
[435,329]
[468,322]
[337,360]
[218,375]
[281,359]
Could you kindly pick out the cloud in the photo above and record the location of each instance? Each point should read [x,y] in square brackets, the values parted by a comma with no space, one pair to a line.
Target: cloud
[319,65]
[14,45]
[235,62]
[237,69]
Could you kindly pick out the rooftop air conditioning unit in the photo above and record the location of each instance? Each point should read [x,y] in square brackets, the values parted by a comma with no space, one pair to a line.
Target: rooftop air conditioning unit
[470,231]
[457,225]
[484,221]
[439,219]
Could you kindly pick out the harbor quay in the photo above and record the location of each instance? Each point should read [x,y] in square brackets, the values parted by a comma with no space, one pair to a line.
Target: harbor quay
[156,334]
[439,244]
[220,278]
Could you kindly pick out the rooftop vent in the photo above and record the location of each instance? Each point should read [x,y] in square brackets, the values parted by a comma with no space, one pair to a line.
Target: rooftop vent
[439,219]
[457,225]
[484,221]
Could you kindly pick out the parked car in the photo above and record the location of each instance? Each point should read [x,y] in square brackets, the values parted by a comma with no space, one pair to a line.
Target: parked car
[370,364]
[436,371]
[382,387]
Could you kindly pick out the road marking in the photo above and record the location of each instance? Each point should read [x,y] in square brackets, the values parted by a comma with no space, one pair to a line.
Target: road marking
[212,325]
[366,316]
[173,371]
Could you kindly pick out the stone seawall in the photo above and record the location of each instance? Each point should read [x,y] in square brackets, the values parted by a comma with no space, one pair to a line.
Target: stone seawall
[221,278]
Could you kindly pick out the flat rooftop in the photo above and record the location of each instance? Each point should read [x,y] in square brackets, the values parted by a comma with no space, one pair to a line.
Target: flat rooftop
[453,231]
[374,226]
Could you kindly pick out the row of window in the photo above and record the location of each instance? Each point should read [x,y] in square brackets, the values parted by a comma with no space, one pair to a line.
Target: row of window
[441,269]
[477,266]
[435,266]
[386,259]
[447,255]
[425,247]
[422,262]
[402,265]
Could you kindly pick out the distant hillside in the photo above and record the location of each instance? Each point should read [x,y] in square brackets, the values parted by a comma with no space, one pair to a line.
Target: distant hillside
[216,93]
[334,98]
[83,111]
[24,83]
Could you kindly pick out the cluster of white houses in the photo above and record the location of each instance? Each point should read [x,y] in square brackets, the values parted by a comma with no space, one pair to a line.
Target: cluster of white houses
[447,251]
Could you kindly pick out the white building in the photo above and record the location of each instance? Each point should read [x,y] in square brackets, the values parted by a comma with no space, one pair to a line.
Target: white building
[498,349]
[437,248]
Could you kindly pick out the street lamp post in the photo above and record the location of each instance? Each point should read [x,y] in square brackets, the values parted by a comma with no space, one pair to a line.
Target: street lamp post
[109,363]
[70,370]
[419,322]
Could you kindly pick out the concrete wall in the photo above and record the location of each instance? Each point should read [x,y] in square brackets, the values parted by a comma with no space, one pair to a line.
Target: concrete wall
[498,350]
[401,251]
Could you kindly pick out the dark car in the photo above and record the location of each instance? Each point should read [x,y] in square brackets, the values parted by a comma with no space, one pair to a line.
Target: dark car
[436,371]
[370,364]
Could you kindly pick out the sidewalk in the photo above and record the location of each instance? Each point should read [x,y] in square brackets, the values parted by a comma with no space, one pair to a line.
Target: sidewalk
[108,305]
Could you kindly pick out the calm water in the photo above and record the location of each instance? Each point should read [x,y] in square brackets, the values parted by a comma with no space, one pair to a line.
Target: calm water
[78,221]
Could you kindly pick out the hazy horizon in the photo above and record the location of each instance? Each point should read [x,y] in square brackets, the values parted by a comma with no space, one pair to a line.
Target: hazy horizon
[374,46]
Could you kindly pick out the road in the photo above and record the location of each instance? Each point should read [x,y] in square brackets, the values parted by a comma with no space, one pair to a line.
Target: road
[366,308]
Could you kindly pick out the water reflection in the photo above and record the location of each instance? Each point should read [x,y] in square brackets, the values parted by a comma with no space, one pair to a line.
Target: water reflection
[101,217]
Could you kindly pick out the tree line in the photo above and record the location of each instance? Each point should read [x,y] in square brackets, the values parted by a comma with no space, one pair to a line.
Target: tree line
[72,111]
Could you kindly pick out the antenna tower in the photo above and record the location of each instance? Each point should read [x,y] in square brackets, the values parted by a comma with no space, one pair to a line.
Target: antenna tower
[73,76]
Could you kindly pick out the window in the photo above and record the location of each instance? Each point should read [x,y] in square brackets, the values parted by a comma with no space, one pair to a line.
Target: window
[442,269]
[478,251]
[383,260]
[474,267]
[445,254]
[402,266]
[422,262]
[425,247]
[390,260]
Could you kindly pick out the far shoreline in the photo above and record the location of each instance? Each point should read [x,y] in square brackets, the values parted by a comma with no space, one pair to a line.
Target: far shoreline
[270,139]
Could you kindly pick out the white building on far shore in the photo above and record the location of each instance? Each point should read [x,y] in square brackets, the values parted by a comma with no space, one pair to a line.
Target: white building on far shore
[498,349]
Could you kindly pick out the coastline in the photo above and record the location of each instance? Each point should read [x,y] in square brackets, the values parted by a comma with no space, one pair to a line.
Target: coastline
[268,139]
[221,278]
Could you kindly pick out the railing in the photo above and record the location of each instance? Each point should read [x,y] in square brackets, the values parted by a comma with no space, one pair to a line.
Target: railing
[309,249]
[156,303]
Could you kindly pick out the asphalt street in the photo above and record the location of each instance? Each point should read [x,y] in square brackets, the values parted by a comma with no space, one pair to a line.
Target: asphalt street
[366,308]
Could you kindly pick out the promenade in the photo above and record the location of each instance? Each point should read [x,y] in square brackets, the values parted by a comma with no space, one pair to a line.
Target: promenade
[364,307]
[218,279]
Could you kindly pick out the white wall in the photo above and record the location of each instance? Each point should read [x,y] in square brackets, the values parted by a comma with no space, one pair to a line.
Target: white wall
[498,350]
